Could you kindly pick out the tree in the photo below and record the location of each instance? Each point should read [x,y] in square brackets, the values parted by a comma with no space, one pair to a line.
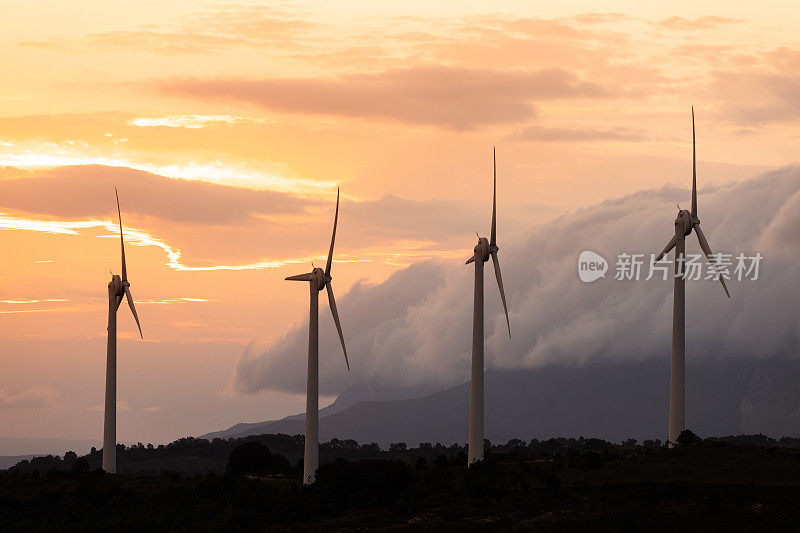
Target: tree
[80,465]
[255,458]
[397,447]
[687,438]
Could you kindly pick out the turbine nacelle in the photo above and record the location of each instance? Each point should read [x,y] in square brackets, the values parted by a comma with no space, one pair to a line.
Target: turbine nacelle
[117,286]
[319,277]
[483,249]
[684,223]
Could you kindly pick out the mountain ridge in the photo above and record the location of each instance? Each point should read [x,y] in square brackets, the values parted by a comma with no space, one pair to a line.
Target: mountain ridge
[611,400]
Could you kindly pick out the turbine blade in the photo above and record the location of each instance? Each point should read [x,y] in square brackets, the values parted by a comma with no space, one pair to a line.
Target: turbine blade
[494,198]
[670,245]
[707,250]
[335,313]
[133,309]
[121,240]
[300,277]
[502,292]
[471,259]
[333,237]
[694,171]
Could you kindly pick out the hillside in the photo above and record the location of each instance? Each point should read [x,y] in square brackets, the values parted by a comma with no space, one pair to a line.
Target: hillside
[610,401]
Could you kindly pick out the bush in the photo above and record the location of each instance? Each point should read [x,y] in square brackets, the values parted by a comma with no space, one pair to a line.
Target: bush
[371,480]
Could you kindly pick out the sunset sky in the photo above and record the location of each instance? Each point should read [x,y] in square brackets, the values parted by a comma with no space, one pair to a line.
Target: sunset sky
[227,126]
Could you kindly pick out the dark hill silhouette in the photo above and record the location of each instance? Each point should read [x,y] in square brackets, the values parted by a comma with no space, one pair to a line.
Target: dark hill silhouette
[612,401]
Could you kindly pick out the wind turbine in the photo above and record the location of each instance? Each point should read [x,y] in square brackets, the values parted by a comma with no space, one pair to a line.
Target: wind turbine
[318,279]
[483,250]
[684,223]
[117,288]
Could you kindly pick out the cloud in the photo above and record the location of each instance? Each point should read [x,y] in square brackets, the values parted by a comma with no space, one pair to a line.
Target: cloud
[206,32]
[454,97]
[201,226]
[391,216]
[187,121]
[33,398]
[33,301]
[539,133]
[701,23]
[756,98]
[138,238]
[162,42]
[121,406]
[600,18]
[155,409]
[380,311]
[87,190]
[415,327]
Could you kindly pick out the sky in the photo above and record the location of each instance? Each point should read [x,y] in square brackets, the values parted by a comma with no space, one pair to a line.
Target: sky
[227,127]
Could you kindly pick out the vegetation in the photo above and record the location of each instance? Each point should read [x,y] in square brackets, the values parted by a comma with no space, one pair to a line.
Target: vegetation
[737,482]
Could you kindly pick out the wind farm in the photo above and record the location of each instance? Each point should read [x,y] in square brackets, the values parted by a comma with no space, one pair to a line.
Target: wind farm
[630,393]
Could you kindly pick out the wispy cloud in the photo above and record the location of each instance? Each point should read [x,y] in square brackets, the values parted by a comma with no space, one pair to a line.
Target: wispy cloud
[173,301]
[540,133]
[121,406]
[210,30]
[136,237]
[700,23]
[188,121]
[227,173]
[759,98]
[601,18]
[33,398]
[32,301]
[454,97]
[83,191]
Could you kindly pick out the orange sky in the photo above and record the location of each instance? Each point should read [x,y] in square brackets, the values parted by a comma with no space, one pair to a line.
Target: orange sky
[227,127]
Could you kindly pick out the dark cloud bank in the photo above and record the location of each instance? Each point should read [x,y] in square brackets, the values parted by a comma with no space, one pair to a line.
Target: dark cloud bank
[585,358]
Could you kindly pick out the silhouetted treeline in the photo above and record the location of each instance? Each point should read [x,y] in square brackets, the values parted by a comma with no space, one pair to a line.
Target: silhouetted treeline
[733,483]
[194,456]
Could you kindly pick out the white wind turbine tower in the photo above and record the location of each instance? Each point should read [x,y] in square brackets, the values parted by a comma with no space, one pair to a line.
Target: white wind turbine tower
[318,279]
[117,289]
[483,250]
[684,223]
